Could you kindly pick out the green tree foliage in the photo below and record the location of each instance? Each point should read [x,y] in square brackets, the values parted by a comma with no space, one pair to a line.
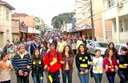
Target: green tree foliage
[57,21]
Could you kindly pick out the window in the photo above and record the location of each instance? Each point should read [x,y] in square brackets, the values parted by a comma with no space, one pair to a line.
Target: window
[111,3]
[126,24]
[121,26]
[104,45]
[115,26]
[7,15]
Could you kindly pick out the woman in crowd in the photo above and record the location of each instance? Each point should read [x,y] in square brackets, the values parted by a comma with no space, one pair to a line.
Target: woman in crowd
[123,65]
[83,62]
[43,51]
[37,67]
[112,47]
[5,66]
[110,65]
[67,67]
[97,66]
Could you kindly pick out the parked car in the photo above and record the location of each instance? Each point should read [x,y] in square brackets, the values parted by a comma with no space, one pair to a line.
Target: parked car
[88,42]
[94,45]
[119,46]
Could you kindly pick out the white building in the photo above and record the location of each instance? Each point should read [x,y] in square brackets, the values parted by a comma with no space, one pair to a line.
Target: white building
[116,11]
[5,23]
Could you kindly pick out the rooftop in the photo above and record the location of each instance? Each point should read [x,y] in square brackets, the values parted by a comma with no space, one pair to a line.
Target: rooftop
[7,5]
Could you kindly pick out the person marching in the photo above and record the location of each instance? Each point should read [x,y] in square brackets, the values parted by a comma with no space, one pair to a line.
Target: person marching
[112,47]
[123,65]
[97,66]
[110,65]
[53,62]
[43,51]
[83,62]
[22,65]
[67,67]
[37,67]
[5,67]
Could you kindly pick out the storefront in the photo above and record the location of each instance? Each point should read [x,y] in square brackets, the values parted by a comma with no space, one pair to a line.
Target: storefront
[85,31]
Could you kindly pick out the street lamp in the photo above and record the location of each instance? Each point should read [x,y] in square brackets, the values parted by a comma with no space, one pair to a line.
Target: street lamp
[91,15]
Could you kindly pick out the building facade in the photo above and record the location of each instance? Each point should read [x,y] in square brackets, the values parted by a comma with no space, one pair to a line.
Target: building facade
[27,26]
[97,19]
[5,23]
[116,12]
[15,30]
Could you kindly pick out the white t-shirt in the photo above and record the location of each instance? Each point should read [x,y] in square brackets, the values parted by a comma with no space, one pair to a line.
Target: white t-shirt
[98,65]
[5,74]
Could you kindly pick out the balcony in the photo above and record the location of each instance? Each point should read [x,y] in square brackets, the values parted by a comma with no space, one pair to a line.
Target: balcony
[15,30]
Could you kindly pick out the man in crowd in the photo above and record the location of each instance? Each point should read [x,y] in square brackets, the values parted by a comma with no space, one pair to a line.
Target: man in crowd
[78,42]
[60,45]
[32,47]
[22,63]
[52,63]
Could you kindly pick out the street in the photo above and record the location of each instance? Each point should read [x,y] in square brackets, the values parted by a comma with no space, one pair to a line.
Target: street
[75,78]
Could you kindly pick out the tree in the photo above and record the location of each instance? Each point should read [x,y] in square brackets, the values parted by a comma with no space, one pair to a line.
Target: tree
[57,21]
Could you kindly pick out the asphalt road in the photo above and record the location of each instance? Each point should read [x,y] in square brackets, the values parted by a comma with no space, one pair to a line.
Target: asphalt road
[75,78]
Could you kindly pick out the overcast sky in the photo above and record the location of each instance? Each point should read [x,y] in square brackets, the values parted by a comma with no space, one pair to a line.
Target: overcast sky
[45,9]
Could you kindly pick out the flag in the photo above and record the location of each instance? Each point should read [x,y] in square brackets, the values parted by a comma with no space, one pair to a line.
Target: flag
[73,23]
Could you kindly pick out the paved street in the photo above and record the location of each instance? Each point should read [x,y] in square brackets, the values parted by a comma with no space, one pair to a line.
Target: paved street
[75,78]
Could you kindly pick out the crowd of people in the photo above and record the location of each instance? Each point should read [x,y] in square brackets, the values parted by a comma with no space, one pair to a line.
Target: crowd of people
[47,58]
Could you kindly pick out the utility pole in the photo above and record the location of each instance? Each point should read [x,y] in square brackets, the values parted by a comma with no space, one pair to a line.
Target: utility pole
[92,23]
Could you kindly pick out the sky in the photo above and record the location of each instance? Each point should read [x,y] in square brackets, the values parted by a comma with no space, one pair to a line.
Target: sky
[46,9]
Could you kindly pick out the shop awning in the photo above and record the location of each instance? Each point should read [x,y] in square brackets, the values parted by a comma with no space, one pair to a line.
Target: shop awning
[81,29]
[84,28]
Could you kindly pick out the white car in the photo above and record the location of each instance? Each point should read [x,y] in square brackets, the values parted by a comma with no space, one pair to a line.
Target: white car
[119,46]
[88,42]
[94,45]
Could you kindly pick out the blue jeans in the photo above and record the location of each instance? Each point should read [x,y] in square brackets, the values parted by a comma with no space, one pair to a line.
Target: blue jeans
[68,74]
[46,75]
[85,77]
[97,77]
[110,76]
[37,77]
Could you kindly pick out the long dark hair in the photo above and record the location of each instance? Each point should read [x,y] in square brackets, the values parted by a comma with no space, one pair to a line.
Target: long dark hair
[114,49]
[3,55]
[85,49]
[44,44]
[125,49]
[107,55]
[34,56]
[70,51]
